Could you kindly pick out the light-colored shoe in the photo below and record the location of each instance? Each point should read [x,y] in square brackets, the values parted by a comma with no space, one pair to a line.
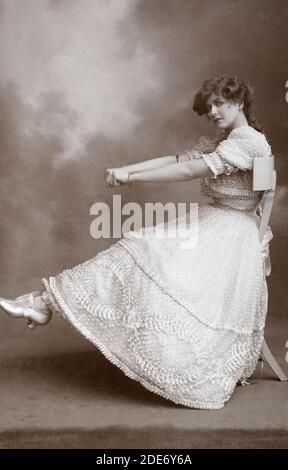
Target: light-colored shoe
[23,307]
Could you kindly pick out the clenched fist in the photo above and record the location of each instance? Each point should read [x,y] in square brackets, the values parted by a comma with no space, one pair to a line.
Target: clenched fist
[116,176]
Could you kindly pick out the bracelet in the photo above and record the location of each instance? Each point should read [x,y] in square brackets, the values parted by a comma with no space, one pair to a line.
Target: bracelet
[129,182]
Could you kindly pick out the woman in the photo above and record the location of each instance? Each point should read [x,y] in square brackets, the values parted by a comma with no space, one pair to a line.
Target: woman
[188,324]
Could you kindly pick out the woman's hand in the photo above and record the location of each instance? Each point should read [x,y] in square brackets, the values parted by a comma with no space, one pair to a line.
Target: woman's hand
[121,176]
[116,176]
[109,177]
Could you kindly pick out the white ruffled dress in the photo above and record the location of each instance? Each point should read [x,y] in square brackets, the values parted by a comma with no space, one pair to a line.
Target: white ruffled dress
[188,324]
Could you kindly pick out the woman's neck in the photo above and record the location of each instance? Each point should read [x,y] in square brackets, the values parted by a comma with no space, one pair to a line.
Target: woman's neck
[240,121]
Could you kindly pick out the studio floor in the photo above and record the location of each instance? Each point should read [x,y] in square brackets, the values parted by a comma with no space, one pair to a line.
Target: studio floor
[58,391]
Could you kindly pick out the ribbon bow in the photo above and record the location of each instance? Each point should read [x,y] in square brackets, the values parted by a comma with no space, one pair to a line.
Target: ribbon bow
[265,250]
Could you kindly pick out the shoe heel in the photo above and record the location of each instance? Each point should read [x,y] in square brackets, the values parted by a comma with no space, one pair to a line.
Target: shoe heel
[31,324]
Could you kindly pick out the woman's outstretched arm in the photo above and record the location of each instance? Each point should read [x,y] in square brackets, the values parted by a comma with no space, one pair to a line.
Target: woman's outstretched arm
[176,172]
[151,164]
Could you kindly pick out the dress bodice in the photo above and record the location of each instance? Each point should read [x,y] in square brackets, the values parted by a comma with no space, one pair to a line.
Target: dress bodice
[231,160]
[234,190]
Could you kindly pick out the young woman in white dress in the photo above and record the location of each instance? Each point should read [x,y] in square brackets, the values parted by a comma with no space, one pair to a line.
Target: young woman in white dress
[188,324]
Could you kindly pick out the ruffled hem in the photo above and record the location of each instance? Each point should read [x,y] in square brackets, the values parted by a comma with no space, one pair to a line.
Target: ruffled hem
[59,305]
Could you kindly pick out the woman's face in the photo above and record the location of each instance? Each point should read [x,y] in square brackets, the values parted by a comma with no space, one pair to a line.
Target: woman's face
[222,112]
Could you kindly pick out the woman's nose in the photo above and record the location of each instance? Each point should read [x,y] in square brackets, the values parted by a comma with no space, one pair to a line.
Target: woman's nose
[213,111]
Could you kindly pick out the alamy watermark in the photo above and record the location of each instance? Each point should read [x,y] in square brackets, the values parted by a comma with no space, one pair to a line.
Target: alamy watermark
[181,222]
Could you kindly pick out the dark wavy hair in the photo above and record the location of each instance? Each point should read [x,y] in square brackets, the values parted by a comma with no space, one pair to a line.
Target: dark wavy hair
[231,88]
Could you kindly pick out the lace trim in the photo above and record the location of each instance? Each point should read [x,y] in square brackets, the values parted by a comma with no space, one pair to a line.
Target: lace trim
[218,165]
[230,191]
[140,262]
[201,404]
[188,155]
[184,332]
[234,204]
[48,299]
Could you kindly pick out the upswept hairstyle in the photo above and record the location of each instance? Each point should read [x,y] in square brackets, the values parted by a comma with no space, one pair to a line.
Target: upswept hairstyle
[231,88]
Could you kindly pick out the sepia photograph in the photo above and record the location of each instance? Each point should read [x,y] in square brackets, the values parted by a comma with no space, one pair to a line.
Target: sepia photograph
[144,226]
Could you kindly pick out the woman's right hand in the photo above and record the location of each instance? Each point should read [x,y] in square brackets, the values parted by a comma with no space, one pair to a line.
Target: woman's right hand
[110,178]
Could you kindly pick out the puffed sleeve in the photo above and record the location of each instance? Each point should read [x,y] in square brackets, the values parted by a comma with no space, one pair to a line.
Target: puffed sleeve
[237,151]
[206,148]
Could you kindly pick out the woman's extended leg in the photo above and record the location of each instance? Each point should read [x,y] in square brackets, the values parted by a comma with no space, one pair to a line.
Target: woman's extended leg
[34,306]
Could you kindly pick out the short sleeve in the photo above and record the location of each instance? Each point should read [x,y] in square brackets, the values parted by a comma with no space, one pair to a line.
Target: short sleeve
[237,151]
[203,145]
[218,165]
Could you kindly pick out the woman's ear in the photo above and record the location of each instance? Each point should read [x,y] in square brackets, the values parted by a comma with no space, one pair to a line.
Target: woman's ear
[241,105]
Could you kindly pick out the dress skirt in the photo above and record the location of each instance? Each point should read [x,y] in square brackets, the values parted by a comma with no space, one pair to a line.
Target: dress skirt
[187,322]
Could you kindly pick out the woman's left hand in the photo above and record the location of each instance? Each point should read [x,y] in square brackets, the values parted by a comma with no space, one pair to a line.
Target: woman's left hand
[121,176]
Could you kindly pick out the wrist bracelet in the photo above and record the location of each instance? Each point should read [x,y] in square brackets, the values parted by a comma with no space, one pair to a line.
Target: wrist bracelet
[129,182]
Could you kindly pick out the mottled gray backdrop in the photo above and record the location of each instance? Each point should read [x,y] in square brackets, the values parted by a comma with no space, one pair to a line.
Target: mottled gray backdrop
[91,84]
